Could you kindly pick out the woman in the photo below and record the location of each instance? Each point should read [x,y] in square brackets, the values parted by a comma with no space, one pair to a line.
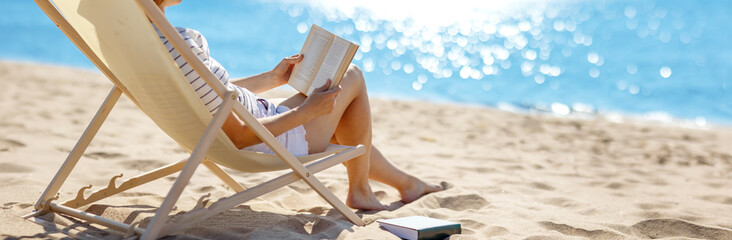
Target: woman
[305,124]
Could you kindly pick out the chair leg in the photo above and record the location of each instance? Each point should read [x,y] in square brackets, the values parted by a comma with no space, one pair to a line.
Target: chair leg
[81,145]
[154,229]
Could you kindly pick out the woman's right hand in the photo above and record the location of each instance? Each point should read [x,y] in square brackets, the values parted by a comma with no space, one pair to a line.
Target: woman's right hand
[321,101]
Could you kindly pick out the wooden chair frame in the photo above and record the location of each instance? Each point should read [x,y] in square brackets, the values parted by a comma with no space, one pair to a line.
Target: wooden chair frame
[160,225]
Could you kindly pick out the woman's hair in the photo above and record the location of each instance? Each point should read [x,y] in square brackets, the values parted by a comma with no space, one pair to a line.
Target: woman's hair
[158,2]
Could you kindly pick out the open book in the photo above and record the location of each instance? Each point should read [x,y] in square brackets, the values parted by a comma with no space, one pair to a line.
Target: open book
[327,56]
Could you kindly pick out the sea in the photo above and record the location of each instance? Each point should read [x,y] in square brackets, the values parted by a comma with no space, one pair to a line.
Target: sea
[660,60]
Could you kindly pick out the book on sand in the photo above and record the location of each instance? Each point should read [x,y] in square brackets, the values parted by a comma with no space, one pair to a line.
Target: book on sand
[420,227]
[326,56]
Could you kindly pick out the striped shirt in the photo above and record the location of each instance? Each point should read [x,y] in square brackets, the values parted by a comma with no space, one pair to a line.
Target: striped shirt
[257,106]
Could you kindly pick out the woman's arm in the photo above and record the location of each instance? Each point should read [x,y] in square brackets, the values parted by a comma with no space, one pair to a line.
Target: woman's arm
[320,102]
[258,83]
[271,79]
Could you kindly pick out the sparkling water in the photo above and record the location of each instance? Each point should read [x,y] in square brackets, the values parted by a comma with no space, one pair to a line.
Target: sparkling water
[662,59]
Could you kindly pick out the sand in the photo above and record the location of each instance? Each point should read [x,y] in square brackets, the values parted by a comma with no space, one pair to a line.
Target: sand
[508,175]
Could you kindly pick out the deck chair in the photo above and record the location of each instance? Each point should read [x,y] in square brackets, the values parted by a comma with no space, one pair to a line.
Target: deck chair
[119,38]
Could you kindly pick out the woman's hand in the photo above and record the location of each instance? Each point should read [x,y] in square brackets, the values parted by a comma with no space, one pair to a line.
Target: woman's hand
[281,72]
[321,101]
[272,79]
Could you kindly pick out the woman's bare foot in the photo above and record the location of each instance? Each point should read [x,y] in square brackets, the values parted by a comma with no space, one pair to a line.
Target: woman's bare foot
[363,199]
[417,188]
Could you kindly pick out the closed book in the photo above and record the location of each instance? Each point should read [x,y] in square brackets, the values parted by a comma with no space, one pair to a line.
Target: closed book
[420,227]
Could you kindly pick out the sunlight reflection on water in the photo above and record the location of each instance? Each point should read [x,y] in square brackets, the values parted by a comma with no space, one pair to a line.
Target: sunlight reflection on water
[610,54]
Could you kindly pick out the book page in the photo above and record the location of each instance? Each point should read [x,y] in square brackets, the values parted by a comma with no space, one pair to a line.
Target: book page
[316,46]
[332,61]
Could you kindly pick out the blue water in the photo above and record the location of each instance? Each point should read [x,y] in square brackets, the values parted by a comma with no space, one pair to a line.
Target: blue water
[667,58]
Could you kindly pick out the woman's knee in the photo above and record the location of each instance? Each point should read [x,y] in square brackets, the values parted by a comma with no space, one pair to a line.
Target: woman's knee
[355,70]
[354,76]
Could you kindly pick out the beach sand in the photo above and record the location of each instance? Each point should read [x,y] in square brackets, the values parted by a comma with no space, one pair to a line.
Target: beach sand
[507,175]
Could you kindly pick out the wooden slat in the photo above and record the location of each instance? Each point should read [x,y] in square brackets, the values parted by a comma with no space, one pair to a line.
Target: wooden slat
[92,218]
[128,184]
[81,145]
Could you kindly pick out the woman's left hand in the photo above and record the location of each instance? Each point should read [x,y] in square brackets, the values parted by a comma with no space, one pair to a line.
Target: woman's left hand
[281,72]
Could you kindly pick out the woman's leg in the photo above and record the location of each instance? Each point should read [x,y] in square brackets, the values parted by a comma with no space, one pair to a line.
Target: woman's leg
[350,124]
[410,188]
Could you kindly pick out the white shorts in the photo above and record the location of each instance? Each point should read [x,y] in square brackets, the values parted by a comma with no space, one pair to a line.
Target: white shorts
[294,140]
